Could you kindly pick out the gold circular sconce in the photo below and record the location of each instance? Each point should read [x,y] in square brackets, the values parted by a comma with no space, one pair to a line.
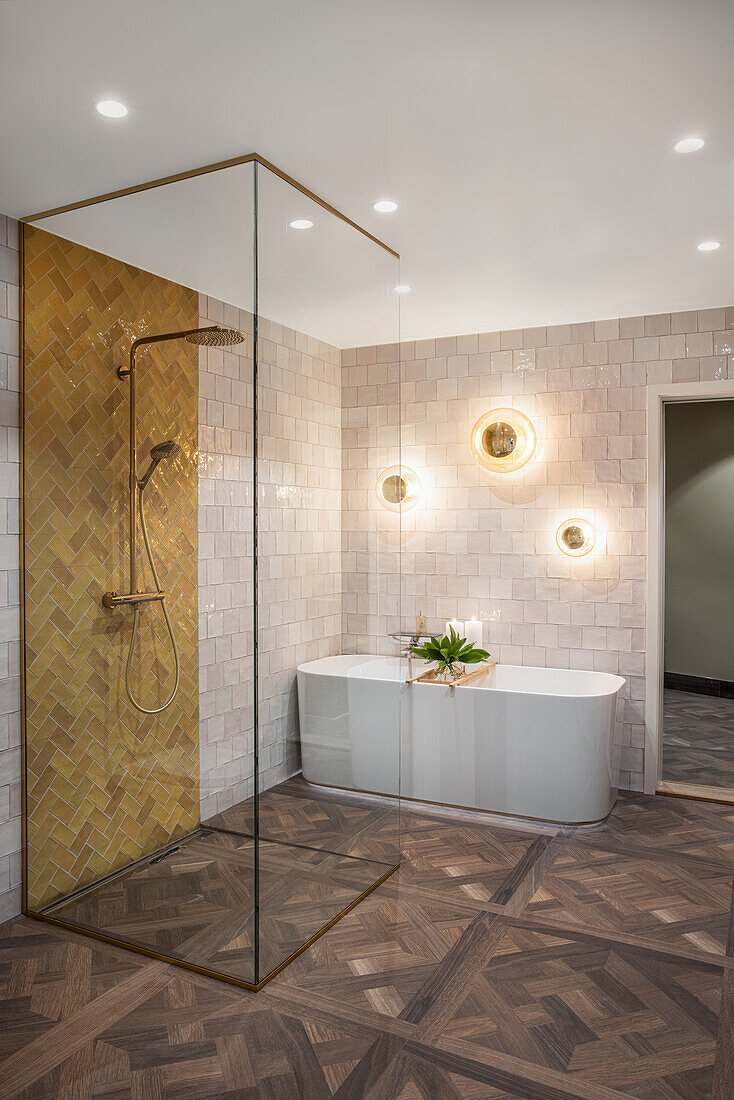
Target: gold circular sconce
[503,440]
[575,537]
[398,487]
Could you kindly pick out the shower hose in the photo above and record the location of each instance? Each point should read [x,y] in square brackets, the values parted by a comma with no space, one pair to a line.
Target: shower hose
[136,612]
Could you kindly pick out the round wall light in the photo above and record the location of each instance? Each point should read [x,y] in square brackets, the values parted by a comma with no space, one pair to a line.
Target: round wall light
[575,537]
[503,440]
[398,487]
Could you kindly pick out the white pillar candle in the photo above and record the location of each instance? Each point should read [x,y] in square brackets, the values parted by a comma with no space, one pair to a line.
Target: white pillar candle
[457,625]
[474,632]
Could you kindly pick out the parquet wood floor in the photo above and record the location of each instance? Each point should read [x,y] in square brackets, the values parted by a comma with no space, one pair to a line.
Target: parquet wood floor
[295,812]
[500,961]
[198,904]
[698,739]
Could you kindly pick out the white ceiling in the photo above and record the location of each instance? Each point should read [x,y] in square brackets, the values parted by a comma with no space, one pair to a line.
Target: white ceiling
[529,142]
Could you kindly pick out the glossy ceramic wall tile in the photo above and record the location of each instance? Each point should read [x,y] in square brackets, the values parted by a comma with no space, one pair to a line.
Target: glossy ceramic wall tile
[106,784]
[226,606]
[299,520]
[299,516]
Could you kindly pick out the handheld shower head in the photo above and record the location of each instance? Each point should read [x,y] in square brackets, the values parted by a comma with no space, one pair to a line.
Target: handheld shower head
[164,450]
[157,454]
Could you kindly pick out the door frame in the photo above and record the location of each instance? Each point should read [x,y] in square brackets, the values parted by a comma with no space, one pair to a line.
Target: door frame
[657,397]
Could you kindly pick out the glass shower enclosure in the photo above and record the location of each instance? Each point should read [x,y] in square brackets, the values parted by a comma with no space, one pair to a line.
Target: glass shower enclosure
[185,524]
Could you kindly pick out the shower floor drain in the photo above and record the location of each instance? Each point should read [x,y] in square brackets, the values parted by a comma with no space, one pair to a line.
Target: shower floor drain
[170,852]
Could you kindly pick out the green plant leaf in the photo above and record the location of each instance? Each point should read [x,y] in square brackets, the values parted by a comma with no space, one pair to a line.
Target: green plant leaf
[450,649]
[474,656]
[429,651]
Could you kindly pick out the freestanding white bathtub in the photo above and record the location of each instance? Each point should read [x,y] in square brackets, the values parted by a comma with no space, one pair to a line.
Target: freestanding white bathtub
[531,742]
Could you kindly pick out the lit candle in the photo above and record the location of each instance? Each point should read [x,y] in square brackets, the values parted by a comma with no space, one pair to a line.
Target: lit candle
[457,625]
[475,633]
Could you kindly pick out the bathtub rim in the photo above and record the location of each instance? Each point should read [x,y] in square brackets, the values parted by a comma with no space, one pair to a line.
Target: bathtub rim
[344,675]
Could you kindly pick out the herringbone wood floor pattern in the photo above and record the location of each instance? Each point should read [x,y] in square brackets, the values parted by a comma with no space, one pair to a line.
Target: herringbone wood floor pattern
[426,990]
[105,783]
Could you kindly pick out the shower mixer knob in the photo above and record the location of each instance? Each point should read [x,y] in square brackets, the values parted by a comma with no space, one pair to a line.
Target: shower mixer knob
[114,599]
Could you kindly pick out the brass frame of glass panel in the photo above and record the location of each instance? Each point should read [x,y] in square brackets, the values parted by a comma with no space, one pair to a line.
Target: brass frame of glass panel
[206,971]
[247,158]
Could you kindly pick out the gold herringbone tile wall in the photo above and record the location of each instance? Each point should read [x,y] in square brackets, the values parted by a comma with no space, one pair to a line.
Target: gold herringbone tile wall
[105,783]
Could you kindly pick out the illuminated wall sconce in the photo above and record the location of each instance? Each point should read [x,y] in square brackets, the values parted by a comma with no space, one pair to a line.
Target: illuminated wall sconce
[398,487]
[575,537]
[503,440]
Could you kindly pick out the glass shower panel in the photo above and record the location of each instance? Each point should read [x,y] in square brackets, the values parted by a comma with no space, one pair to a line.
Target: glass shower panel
[325,839]
[211,393]
[118,783]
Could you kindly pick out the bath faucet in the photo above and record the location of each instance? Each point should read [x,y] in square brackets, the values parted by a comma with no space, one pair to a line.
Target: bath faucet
[408,641]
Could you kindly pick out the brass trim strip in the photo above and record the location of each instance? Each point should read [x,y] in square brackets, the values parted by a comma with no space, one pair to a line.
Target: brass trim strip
[699,792]
[21,581]
[456,806]
[207,971]
[203,171]
[332,922]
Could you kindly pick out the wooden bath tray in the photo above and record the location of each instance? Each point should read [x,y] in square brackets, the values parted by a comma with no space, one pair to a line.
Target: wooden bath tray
[429,677]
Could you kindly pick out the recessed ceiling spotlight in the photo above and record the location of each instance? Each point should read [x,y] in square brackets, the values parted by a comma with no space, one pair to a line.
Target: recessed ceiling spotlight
[111,108]
[403,288]
[689,145]
[385,206]
[301,223]
[709,246]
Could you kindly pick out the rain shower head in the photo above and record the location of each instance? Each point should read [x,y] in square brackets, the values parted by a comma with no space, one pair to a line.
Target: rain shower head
[157,454]
[215,337]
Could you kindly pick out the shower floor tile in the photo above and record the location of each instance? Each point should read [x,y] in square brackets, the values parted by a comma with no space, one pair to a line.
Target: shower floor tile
[197,904]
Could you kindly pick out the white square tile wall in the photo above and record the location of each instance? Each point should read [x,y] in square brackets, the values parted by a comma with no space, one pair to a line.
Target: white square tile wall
[484,545]
[299,529]
[299,532]
[225,563]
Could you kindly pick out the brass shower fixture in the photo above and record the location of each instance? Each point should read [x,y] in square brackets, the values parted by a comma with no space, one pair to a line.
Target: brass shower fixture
[211,336]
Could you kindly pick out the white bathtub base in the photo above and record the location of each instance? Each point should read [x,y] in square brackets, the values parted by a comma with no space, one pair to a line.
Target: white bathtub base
[468,809]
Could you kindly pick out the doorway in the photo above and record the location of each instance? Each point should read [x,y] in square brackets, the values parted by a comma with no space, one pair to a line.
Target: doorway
[691,605]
